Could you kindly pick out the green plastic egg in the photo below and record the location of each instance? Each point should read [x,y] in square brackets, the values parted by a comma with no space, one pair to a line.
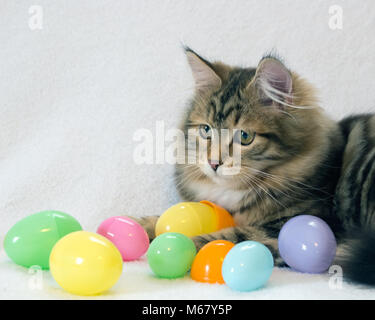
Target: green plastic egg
[171,255]
[30,241]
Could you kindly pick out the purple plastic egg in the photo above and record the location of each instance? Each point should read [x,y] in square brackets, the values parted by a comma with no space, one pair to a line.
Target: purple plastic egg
[307,244]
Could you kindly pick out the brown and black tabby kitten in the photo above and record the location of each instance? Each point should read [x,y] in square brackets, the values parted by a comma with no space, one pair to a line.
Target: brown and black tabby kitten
[294,160]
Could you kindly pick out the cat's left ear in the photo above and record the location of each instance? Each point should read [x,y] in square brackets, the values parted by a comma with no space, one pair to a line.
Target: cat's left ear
[274,81]
[203,71]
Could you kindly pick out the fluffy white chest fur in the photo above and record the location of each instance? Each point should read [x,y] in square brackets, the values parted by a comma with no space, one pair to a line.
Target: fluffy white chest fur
[224,197]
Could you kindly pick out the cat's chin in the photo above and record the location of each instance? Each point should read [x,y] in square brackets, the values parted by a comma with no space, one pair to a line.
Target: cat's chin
[223,194]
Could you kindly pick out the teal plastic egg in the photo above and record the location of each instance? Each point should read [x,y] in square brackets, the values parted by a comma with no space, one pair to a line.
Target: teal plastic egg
[247,266]
[30,241]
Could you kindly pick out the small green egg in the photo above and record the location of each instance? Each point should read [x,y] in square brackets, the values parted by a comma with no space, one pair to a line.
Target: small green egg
[171,255]
[30,241]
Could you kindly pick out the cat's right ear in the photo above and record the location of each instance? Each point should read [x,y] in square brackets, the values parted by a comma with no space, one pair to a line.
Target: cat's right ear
[203,73]
[274,81]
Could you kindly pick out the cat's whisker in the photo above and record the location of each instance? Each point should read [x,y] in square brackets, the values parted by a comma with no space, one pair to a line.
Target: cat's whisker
[284,183]
[281,181]
[272,198]
[255,189]
[265,191]
[280,190]
[185,177]
[287,180]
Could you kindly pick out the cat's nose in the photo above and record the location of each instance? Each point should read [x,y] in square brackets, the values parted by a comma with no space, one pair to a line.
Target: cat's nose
[214,164]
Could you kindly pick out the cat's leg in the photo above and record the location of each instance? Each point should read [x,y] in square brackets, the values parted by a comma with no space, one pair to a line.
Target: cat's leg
[148,223]
[239,234]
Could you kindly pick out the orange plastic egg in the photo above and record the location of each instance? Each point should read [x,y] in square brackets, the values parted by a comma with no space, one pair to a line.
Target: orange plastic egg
[224,218]
[208,262]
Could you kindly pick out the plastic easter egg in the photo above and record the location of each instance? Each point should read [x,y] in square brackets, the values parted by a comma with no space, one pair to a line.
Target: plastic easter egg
[127,235]
[307,244]
[188,218]
[30,241]
[85,263]
[223,218]
[193,218]
[247,266]
[209,260]
[170,255]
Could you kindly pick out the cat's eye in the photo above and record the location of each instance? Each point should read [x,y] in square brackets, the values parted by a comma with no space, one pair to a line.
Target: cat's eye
[243,137]
[205,131]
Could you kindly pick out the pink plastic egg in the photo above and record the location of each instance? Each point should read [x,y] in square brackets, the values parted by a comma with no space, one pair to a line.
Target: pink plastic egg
[127,235]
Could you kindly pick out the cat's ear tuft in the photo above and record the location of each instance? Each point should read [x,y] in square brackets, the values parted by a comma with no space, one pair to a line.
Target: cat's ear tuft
[203,73]
[274,80]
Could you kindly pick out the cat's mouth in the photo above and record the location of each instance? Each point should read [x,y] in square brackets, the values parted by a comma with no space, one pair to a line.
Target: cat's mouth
[219,173]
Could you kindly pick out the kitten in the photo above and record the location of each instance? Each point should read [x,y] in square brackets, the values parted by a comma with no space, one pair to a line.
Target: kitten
[294,160]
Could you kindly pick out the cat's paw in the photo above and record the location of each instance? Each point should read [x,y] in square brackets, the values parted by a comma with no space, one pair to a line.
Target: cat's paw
[148,223]
[279,262]
[199,242]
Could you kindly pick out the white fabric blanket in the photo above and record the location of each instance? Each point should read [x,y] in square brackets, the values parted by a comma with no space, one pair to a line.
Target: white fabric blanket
[74,92]
[138,282]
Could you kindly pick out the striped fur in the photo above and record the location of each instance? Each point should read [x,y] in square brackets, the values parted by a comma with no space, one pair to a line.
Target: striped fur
[354,202]
[355,192]
[300,162]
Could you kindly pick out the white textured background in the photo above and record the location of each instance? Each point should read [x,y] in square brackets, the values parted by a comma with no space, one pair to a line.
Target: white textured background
[73,93]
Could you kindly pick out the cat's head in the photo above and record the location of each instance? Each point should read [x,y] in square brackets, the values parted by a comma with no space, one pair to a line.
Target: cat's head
[271,115]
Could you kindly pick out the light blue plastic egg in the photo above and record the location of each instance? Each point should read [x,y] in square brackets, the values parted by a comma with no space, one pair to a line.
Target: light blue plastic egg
[247,266]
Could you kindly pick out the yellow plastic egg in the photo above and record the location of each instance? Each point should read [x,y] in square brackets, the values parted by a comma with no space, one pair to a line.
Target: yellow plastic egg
[193,218]
[85,263]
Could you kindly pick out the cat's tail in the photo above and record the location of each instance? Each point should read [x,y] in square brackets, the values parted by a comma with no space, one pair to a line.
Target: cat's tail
[356,257]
